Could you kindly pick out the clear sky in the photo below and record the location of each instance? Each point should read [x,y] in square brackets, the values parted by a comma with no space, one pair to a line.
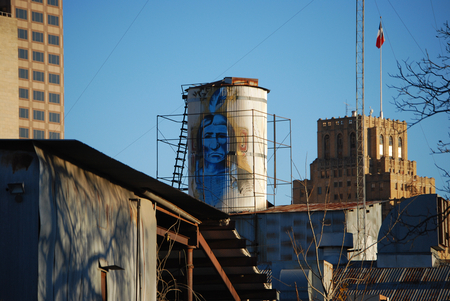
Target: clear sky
[125,63]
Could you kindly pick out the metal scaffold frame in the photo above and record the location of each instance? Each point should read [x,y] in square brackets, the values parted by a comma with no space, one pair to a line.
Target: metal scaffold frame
[278,150]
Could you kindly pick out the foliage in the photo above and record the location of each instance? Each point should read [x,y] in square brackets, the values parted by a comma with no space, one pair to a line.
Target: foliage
[425,90]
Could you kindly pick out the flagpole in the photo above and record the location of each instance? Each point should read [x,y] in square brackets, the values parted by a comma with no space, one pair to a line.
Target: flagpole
[381,83]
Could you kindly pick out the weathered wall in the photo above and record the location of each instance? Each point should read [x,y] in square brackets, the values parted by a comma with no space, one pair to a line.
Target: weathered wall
[85,220]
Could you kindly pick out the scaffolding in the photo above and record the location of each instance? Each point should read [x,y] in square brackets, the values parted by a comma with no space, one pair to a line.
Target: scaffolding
[173,138]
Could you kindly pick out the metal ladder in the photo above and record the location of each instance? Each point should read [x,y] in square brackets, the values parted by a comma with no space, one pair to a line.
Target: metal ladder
[181,151]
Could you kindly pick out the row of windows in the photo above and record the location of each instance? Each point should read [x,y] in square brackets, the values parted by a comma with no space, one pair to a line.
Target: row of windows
[39,76]
[38,36]
[39,115]
[39,56]
[391,142]
[38,134]
[49,2]
[37,17]
[39,95]
[338,173]
[338,122]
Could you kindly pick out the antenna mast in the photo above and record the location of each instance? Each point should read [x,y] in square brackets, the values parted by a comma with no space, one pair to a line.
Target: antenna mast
[360,169]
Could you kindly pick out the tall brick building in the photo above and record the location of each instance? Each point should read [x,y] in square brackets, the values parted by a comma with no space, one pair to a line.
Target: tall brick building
[388,172]
[31,69]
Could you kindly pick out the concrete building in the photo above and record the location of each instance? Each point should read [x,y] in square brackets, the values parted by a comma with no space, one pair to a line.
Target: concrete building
[388,172]
[32,69]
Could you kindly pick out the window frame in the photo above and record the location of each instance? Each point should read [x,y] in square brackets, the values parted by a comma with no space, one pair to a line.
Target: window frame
[52,57]
[54,78]
[24,113]
[53,39]
[21,32]
[55,116]
[24,130]
[24,91]
[51,2]
[41,93]
[37,34]
[25,73]
[38,132]
[53,20]
[37,17]
[37,76]
[22,53]
[21,13]
[36,55]
[51,97]
[37,114]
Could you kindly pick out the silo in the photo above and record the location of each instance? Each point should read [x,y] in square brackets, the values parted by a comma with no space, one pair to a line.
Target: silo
[227,144]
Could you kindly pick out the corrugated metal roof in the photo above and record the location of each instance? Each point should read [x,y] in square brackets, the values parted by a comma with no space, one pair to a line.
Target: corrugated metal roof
[91,159]
[311,207]
[413,284]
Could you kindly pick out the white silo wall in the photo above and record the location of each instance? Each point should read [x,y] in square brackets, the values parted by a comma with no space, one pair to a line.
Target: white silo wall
[231,177]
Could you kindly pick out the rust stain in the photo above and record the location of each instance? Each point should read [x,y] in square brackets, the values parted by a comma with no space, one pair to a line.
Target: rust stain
[17,161]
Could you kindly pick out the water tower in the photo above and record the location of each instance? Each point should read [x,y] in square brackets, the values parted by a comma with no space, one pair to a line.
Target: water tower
[227,144]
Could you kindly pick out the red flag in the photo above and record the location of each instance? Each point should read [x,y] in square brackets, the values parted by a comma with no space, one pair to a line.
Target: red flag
[380,36]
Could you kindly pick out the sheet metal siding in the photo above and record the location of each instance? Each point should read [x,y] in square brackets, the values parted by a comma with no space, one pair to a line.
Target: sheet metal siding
[19,227]
[413,284]
[86,219]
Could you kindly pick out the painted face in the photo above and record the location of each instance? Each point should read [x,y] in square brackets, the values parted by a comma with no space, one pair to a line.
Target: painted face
[215,138]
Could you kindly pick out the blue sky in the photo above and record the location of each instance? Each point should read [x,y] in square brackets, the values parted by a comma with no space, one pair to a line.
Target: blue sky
[125,63]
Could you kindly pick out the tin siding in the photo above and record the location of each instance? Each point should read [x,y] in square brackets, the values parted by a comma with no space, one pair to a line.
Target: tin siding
[87,219]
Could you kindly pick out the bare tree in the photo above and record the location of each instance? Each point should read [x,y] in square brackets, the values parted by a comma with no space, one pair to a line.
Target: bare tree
[425,90]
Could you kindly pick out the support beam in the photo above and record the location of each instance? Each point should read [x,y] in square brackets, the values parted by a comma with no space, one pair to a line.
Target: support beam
[190,273]
[218,267]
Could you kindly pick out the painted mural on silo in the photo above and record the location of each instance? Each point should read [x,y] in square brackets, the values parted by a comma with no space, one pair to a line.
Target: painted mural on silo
[227,146]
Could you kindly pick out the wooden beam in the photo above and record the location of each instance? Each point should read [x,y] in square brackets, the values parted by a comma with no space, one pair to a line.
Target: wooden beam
[172,235]
[209,253]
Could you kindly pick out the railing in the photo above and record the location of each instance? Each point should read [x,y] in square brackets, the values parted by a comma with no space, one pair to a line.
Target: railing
[5,14]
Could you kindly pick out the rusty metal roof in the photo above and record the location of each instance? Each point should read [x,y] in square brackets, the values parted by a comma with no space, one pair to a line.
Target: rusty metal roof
[412,284]
[91,159]
[311,207]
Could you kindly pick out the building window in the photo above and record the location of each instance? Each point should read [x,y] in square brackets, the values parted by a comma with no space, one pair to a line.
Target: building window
[340,146]
[340,183]
[326,146]
[38,56]
[38,115]
[352,145]
[373,186]
[23,54]
[395,186]
[22,34]
[38,37]
[335,197]
[53,59]
[324,124]
[23,73]
[53,135]
[53,40]
[53,78]
[349,183]
[21,14]
[23,113]
[399,150]
[335,184]
[38,76]
[391,142]
[38,95]
[381,146]
[23,93]
[52,2]
[54,98]
[37,134]
[37,17]
[38,1]
[53,117]
[53,20]
[319,190]
[23,133]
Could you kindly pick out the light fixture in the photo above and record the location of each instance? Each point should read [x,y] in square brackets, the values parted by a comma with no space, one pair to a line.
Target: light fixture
[17,189]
